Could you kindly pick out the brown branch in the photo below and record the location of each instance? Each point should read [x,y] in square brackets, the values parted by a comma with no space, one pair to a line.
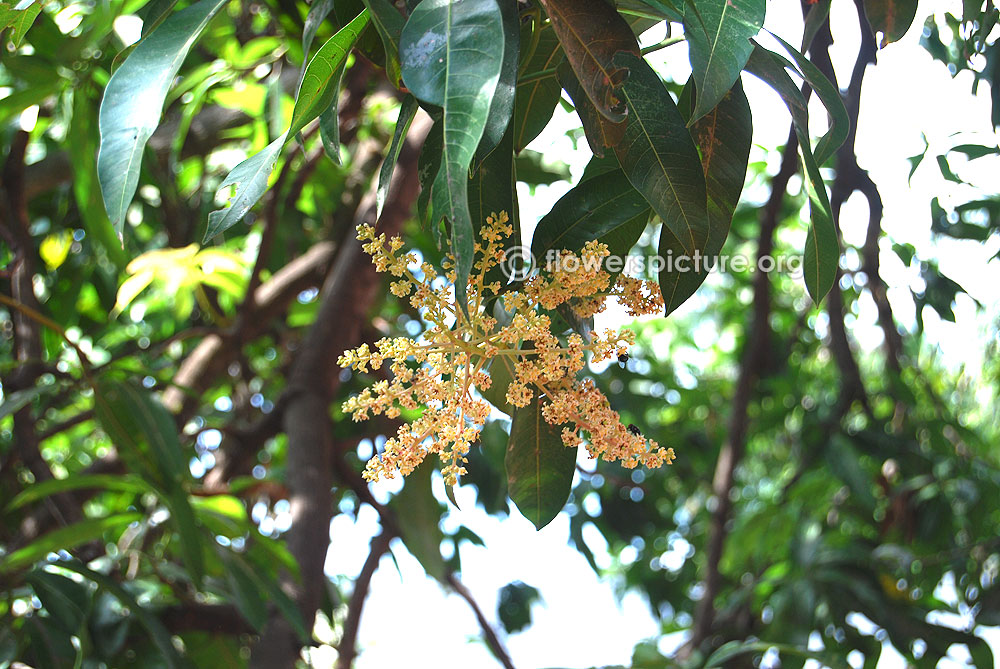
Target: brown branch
[347,647]
[754,357]
[219,619]
[207,131]
[214,353]
[492,640]
[314,379]
[25,314]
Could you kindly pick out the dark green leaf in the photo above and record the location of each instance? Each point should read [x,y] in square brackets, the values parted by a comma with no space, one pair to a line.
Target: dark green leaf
[67,601]
[892,18]
[600,132]
[719,45]
[419,517]
[139,425]
[840,123]
[659,157]
[407,110]
[587,212]
[451,54]
[134,99]
[389,24]
[822,251]
[724,137]
[159,634]
[491,191]
[533,170]
[246,591]
[501,374]
[539,466]
[538,89]
[502,105]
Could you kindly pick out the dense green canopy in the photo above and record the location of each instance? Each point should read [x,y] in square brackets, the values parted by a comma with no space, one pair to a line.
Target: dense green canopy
[179,273]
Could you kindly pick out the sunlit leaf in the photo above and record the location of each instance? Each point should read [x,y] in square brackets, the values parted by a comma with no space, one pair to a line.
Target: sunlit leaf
[718,38]
[133,101]
[319,87]
[452,54]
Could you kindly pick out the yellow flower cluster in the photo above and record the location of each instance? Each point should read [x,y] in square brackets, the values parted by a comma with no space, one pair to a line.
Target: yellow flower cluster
[443,369]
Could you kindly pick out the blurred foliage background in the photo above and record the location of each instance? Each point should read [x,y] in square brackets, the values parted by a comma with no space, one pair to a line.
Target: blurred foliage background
[151,387]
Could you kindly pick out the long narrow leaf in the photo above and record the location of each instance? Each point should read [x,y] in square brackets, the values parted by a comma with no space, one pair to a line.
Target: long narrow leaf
[133,101]
[452,54]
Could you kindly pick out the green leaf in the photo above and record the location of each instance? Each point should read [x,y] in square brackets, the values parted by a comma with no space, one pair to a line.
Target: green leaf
[587,212]
[452,54]
[65,538]
[814,21]
[822,250]
[840,123]
[160,635]
[661,9]
[538,90]
[261,578]
[892,18]
[318,11]
[593,34]
[502,105]
[419,521]
[734,649]
[329,121]
[539,466]
[501,374]
[67,601]
[724,137]
[246,592]
[139,425]
[82,142]
[250,178]
[389,24]
[659,157]
[21,20]
[491,191]
[533,169]
[118,482]
[407,110]
[319,87]
[719,45]
[133,101]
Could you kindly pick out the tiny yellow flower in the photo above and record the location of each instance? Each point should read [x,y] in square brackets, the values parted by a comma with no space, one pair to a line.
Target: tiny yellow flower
[442,370]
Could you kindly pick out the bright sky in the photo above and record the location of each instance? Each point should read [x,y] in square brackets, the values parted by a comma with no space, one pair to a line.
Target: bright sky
[409,620]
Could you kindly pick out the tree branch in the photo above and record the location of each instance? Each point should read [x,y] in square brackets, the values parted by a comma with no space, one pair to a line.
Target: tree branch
[754,356]
[345,299]
[349,640]
[492,640]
